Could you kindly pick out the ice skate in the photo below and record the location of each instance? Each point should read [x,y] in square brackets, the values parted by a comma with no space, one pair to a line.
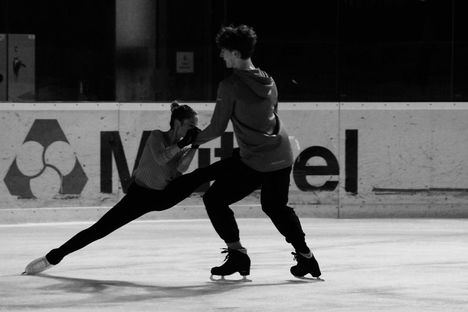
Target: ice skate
[305,266]
[235,261]
[37,266]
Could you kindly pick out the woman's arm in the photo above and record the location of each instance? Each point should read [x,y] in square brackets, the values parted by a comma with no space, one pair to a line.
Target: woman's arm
[186,159]
[161,154]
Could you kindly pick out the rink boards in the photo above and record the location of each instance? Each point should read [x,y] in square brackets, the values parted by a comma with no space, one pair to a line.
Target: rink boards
[351,159]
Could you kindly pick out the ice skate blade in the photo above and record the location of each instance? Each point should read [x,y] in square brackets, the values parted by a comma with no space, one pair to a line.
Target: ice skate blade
[306,278]
[221,280]
[29,274]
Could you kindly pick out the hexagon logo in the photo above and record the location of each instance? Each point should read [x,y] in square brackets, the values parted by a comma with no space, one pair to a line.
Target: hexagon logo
[45,164]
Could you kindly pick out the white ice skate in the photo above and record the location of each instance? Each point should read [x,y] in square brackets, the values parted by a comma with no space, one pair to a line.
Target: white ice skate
[37,266]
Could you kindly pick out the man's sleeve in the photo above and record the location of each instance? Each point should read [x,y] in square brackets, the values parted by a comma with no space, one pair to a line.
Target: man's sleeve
[221,115]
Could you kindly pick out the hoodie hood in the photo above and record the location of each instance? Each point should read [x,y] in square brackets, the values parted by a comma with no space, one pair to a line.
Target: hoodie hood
[257,80]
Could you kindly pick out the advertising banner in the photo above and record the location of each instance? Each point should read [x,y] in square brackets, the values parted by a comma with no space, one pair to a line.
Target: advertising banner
[351,159]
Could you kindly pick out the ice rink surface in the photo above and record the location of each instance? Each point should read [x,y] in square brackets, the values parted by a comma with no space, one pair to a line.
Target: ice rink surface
[367,264]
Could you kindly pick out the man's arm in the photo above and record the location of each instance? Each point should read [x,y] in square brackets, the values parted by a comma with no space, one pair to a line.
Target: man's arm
[221,115]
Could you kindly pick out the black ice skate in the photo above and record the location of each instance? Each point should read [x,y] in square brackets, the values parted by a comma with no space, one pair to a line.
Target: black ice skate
[305,266]
[235,261]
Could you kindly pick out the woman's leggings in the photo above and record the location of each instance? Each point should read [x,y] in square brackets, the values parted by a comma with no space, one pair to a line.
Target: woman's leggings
[137,202]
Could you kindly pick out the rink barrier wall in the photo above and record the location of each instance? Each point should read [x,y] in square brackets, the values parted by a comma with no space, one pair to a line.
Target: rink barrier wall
[72,161]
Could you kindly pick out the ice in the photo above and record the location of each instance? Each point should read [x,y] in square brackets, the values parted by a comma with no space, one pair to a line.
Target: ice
[164,265]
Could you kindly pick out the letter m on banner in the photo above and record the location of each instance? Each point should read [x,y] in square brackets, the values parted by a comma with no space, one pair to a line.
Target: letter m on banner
[111,145]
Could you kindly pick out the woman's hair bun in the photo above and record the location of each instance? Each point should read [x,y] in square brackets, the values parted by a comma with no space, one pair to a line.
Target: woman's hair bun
[174,105]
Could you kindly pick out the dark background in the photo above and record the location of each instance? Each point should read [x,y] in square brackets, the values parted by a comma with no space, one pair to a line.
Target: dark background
[333,50]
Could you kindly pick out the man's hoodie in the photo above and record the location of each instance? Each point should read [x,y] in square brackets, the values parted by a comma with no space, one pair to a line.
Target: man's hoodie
[249,99]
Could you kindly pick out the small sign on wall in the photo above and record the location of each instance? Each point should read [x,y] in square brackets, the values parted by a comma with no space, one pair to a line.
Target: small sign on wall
[184,62]
[21,67]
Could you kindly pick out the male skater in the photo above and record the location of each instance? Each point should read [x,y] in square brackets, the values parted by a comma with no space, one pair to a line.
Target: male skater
[249,98]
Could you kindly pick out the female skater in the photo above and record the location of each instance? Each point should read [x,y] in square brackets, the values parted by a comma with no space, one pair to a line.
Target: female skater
[157,184]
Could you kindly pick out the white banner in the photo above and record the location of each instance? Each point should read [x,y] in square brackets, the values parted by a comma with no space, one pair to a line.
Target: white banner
[352,159]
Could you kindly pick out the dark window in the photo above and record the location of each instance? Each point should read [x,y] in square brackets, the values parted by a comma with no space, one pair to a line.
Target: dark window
[334,50]
[74,46]
[397,50]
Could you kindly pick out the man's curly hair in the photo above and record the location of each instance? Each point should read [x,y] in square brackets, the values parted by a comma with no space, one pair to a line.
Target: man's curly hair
[241,38]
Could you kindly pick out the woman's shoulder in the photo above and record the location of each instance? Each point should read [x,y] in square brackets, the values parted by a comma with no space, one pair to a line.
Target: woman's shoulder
[156,132]
[157,135]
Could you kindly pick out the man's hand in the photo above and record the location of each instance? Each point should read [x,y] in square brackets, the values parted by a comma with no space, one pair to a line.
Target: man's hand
[196,132]
[189,137]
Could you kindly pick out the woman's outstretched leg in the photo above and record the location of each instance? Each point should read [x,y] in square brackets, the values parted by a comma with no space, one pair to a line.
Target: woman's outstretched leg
[130,207]
[116,217]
